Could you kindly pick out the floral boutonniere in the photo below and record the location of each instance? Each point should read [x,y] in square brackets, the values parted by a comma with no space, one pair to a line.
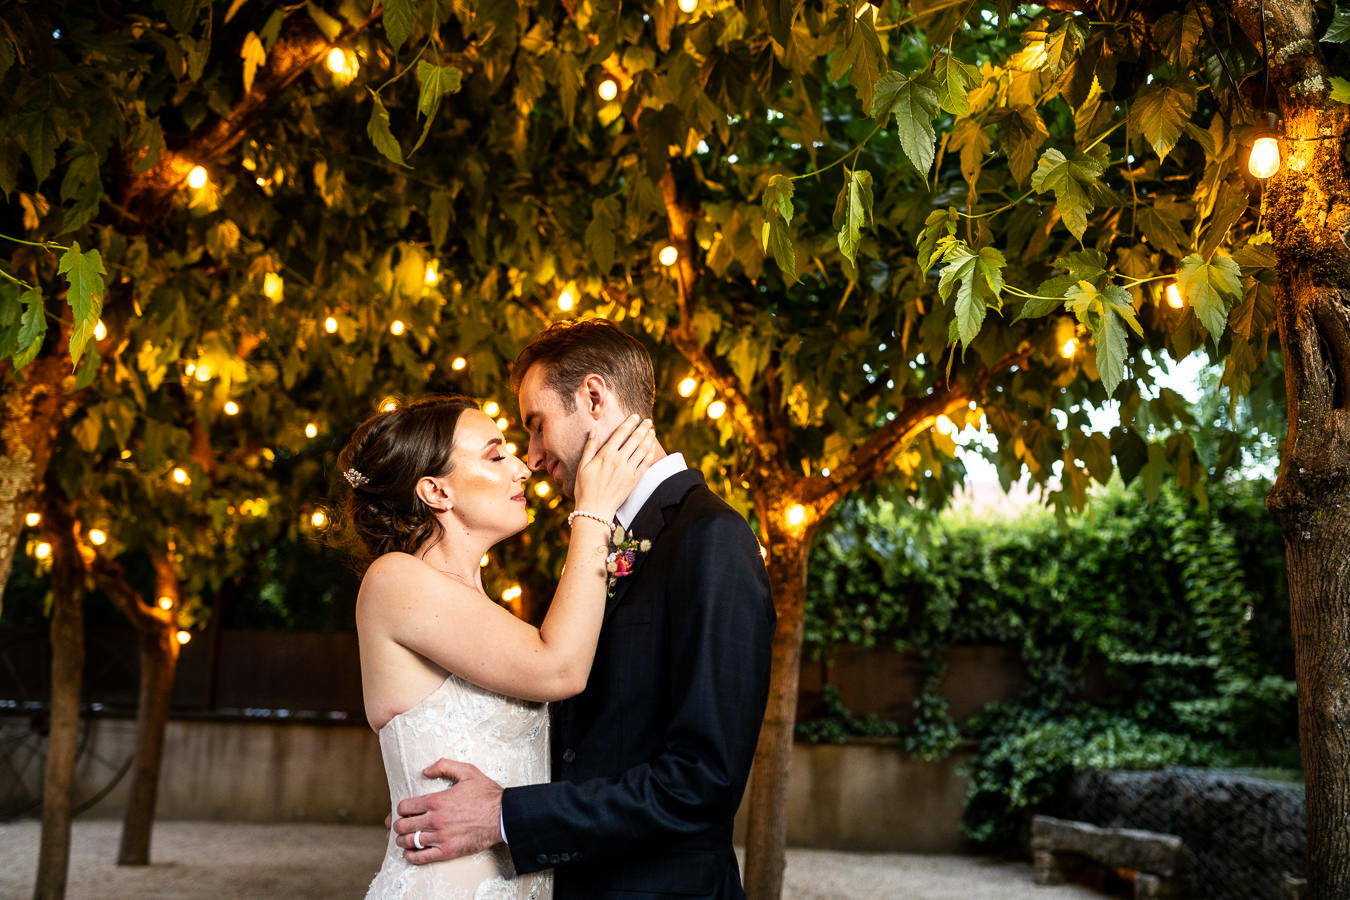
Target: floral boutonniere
[623,555]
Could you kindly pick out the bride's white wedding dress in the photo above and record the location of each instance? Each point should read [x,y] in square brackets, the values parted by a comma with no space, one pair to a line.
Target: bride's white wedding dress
[508,740]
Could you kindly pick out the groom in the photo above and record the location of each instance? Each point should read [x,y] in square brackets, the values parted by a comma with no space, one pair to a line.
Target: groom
[650,761]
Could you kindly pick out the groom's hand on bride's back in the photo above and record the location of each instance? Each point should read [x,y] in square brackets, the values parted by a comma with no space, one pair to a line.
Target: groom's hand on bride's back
[460,820]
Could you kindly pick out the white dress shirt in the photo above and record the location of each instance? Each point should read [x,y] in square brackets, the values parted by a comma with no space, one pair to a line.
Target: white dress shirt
[651,479]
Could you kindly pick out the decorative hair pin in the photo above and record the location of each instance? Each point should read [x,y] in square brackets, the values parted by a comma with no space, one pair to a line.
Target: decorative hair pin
[355,478]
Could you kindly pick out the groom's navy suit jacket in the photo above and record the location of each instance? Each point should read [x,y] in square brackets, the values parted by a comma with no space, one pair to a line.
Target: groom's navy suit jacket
[650,761]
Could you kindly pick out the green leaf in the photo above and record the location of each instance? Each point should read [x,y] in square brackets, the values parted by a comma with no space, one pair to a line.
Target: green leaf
[914,103]
[88,368]
[852,211]
[1036,308]
[439,213]
[600,233]
[253,56]
[1071,180]
[776,239]
[330,26]
[32,328]
[1109,338]
[1211,288]
[777,199]
[40,140]
[437,81]
[398,21]
[380,133]
[81,184]
[1340,89]
[978,278]
[954,78]
[84,273]
[149,139]
[974,143]
[1022,132]
[1160,113]
[1338,32]
[862,58]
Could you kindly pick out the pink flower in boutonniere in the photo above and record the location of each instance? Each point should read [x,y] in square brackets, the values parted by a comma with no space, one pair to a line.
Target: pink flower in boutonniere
[623,555]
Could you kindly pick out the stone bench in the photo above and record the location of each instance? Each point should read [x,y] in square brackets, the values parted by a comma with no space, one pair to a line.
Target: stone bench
[1061,848]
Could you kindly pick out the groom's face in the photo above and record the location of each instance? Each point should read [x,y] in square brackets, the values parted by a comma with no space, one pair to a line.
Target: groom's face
[556,435]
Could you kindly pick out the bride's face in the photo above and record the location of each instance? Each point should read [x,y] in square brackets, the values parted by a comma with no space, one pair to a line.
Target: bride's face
[487,484]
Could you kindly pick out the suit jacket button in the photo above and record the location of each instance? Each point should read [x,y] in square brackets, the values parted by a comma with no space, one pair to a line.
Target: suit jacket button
[566,857]
[542,859]
[568,755]
[576,857]
[555,859]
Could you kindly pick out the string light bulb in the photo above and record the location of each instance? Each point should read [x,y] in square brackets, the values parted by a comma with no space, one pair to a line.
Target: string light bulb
[511,449]
[459,363]
[944,425]
[503,423]
[688,386]
[202,372]
[165,603]
[180,476]
[512,594]
[795,515]
[33,520]
[491,408]
[482,563]
[566,299]
[183,637]
[396,327]
[688,6]
[273,286]
[100,331]
[432,276]
[389,405]
[542,489]
[197,178]
[668,255]
[42,550]
[319,518]
[98,537]
[1069,348]
[231,408]
[311,430]
[1265,159]
[1174,298]
[330,325]
[342,63]
[608,89]
[716,409]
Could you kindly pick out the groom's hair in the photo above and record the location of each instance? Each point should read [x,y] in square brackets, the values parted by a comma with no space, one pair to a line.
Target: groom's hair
[569,351]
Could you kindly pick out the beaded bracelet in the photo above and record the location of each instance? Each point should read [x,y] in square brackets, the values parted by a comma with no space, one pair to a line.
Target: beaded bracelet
[588,515]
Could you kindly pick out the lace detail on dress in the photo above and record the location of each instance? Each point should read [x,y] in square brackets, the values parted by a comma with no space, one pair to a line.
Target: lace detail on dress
[508,740]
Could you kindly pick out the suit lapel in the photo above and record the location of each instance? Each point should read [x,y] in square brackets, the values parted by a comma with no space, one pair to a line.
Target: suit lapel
[649,523]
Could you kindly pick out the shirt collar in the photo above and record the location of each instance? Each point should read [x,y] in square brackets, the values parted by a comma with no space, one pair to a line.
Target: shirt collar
[651,479]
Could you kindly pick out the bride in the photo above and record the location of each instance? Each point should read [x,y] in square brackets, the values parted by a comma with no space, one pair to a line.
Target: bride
[445,671]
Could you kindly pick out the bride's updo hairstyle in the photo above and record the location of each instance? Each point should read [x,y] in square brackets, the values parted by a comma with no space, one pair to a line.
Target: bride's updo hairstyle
[383,462]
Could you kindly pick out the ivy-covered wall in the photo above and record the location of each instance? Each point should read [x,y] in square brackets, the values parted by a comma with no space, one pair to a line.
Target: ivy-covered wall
[1151,634]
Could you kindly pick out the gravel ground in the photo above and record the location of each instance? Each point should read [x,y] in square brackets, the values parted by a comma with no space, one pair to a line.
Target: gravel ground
[237,860]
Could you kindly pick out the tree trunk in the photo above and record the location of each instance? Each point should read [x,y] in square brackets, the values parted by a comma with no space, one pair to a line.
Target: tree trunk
[159,660]
[32,413]
[766,838]
[1308,206]
[67,634]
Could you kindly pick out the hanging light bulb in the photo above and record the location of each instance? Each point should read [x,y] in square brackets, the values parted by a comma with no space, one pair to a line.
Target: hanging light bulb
[490,408]
[231,408]
[1069,348]
[342,63]
[1174,298]
[183,637]
[482,563]
[459,363]
[389,405]
[512,594]
[319,518]
[273,286]
[688,386]
[716,409]
[668,255]
[688,6]
[542,489]
[165,603]
[503,423]
[511,449]
[311,430]
[566,300]
[396,327]
[180,476]
[33,520]
[944,425]
[1265,159]
[608,90]
[432,275]
[330,325]
[202,372]
[100,331]
[197,178]
[98,537]
[795,515]
[42,550]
